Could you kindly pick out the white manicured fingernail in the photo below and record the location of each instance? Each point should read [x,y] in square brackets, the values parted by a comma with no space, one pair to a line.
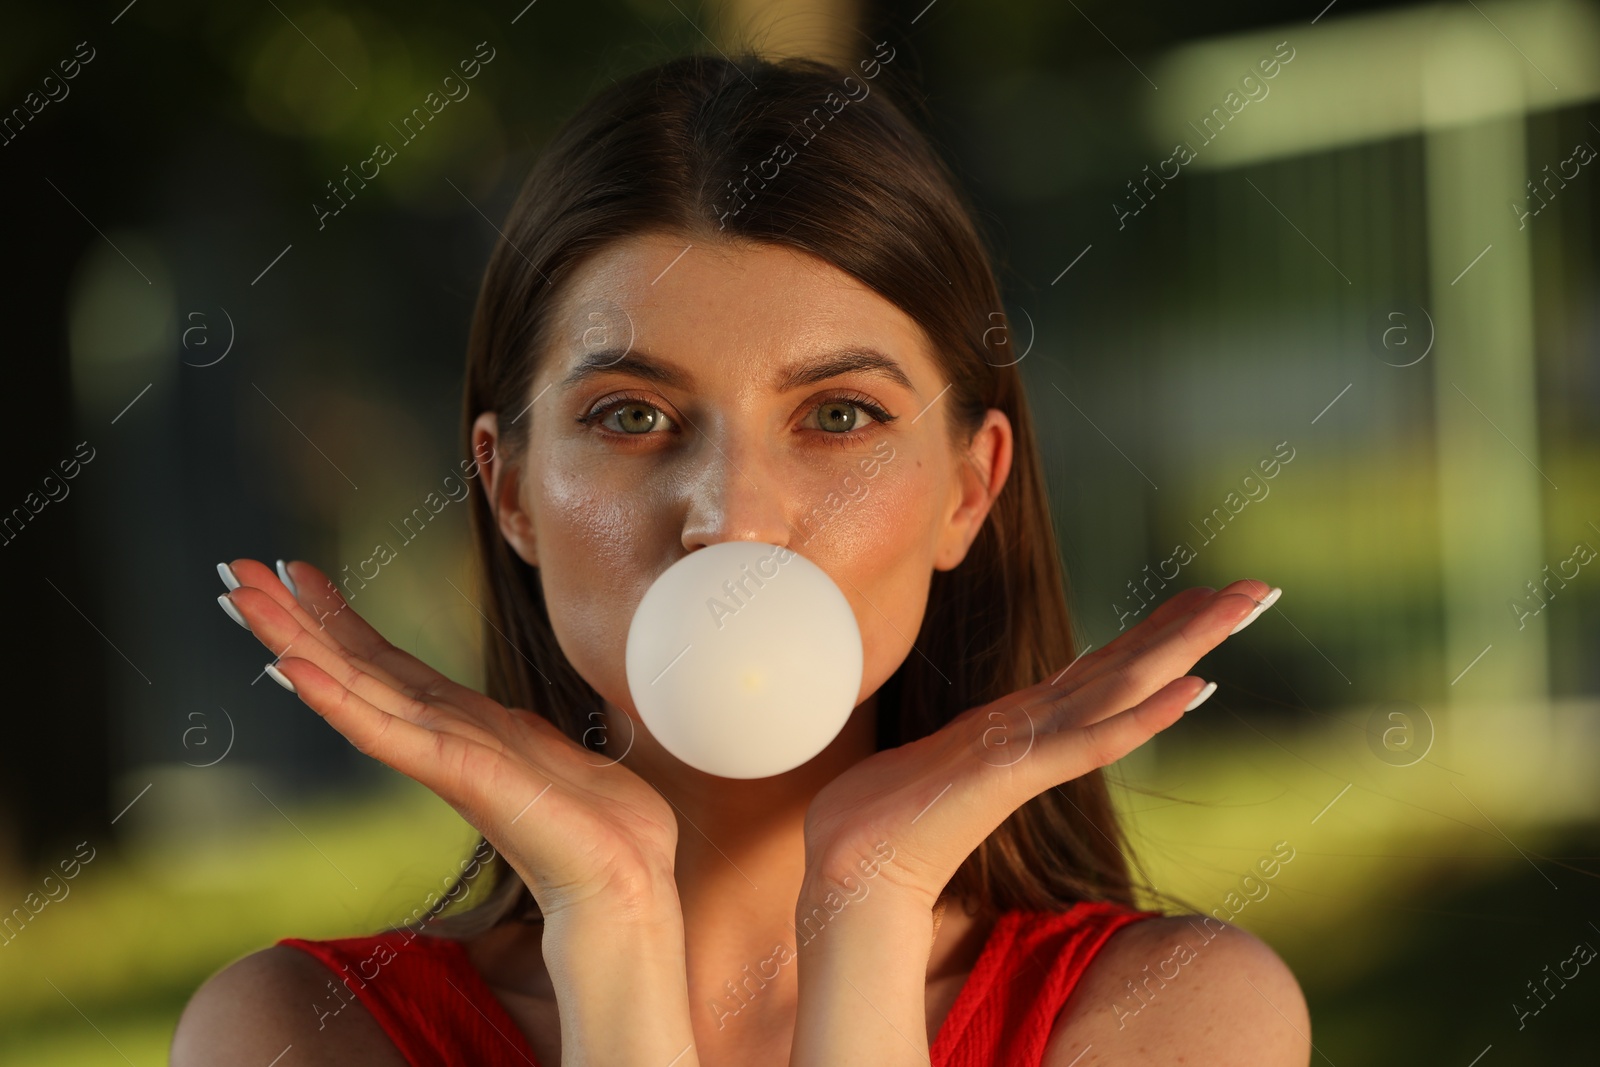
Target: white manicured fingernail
[1211,687]
[229,579]
[279,677]
[233,612]
[283,576]
[1266,602]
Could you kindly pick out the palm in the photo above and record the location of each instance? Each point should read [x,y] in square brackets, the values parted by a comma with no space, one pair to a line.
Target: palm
[896,795]
[572,823]
[937,798]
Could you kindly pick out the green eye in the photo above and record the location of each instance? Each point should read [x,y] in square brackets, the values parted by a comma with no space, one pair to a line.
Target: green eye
[636,418]
[839,416]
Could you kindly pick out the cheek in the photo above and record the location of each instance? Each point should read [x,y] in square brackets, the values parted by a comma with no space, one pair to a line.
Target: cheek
[878,548]
[596,550]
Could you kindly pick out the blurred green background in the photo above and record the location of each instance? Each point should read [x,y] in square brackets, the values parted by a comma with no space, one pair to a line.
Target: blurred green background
[1377,265]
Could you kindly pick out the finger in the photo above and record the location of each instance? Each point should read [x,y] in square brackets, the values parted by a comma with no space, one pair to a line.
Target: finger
[475,777]
[322,599]
[1180,603]
[412,750]
[276,629]
[1128,680]
[1163,625]
[363,640]
[1070,753]
[1161,622]
[335,625]
[317,596]
[414,691]
[257,575]
[1146,631]
[1091,664]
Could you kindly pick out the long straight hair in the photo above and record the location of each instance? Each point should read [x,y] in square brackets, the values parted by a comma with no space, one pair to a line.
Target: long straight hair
[821,158]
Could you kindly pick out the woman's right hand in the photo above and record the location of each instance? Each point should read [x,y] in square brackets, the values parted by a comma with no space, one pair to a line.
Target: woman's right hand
[584,834]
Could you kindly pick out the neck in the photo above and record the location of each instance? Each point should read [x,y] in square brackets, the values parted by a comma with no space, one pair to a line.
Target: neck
[741,843]
[739,865]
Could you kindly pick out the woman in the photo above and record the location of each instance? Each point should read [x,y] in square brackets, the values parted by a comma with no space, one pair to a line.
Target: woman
[744,300]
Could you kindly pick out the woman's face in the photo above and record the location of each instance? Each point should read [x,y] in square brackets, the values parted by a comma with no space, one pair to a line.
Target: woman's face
[722,392]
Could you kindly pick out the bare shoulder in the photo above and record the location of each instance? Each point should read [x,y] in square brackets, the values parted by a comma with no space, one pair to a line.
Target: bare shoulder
[256,1008]
[1184,987]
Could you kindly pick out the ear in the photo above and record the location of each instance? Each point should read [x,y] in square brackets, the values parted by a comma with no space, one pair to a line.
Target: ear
[980,474]
[503,489]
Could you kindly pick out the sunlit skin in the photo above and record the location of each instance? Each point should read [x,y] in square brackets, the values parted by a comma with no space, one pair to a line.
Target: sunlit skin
[660,883]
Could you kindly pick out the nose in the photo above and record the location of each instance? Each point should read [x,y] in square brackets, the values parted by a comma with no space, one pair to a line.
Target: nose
[736,495]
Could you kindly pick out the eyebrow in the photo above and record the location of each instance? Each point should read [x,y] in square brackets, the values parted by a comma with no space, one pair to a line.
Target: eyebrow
[864,360]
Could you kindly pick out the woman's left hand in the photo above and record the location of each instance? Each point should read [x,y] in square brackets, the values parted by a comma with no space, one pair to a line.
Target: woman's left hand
[934,800]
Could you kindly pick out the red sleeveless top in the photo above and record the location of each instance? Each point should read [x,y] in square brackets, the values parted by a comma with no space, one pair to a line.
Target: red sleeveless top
[439,1012]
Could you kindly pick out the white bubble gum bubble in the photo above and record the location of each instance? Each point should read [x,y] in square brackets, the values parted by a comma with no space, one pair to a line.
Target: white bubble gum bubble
[744,659]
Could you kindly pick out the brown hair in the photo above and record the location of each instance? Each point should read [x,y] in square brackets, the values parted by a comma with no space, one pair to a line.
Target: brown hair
[688,146]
